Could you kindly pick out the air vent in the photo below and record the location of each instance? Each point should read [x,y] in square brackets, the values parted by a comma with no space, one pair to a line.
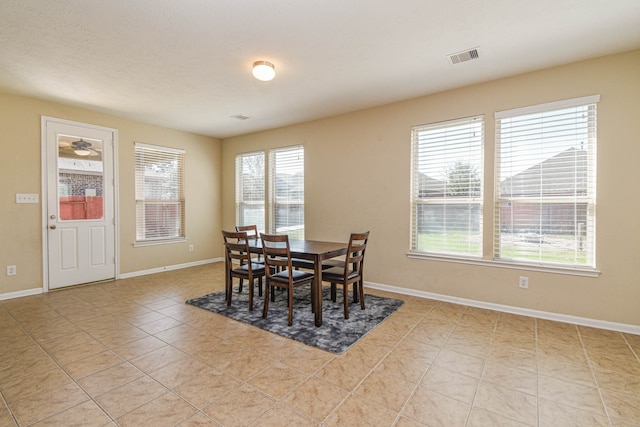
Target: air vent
[240,117]
[464,56]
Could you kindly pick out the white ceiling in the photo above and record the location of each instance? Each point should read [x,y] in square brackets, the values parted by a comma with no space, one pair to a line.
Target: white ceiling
[185,64]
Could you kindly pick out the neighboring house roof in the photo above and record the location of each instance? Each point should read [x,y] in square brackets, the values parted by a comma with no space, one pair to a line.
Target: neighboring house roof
[429,187]
[558,175]
[291,185]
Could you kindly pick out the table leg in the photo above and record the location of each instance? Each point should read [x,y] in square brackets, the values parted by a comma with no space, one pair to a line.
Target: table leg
[227,288]
[317,290]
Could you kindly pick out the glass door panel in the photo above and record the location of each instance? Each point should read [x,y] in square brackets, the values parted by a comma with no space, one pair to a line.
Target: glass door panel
[80,179]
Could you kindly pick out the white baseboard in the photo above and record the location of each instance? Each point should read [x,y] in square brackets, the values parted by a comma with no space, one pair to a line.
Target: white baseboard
[18,294]
[36,291]
[583,321]
[169,268]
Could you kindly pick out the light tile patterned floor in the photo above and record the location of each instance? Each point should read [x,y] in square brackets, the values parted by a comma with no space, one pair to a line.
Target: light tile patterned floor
[132,353]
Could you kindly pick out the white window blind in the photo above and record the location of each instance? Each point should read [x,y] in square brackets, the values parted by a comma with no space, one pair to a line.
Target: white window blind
[286,191]
[546,184]
[160,203]
[446,196]
[250,201]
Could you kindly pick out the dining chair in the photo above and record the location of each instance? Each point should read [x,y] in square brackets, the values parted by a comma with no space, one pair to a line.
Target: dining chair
[280,272]
[251,230]
[239,264]
[252,233]
[351,271]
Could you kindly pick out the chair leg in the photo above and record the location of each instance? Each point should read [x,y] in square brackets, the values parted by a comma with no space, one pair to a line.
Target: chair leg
[250,284]
[260,286]
[361,290]
[229,286]
[345,294]
[240,287]
[290,294]
[333,292]
[266,300]
[355,291]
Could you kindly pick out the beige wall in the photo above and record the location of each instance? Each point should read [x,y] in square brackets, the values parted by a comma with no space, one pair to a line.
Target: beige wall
[20,224]
[357,178]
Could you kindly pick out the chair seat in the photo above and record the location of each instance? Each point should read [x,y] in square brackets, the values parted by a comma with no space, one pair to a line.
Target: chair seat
[336,274]
[256,268]
[298,276]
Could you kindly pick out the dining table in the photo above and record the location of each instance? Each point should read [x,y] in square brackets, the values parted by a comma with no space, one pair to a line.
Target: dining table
[316,252]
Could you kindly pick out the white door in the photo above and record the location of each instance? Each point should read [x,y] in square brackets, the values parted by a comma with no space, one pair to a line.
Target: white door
[80,210]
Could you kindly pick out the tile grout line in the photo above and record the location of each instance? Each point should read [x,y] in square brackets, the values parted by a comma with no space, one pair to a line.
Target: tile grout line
[75,381]
[593,375]
[145,374]
[424,374]
[484,367]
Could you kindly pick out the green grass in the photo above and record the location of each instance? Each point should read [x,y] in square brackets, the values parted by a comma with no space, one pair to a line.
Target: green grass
[557,249]
[453,243]
[544,255]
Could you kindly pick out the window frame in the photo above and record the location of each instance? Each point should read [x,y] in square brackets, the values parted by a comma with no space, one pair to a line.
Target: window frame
[142,200]
[475,124]
[588,199]
[490,164]
[269,203]
[240,202]
[274,204]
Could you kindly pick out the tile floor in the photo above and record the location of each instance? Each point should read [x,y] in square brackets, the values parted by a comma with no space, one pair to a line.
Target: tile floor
[132,353]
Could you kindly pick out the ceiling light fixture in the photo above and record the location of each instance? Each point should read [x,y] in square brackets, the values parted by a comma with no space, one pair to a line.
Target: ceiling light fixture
[82,152]
[263,70]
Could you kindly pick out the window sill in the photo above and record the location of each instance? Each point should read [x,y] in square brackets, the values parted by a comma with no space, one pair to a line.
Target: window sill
[574,271]
[142,243]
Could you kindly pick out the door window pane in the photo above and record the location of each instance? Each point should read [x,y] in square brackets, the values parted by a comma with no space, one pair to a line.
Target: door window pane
[80,179]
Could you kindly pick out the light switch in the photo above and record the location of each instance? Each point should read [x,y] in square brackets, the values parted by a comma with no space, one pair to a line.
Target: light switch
[26,198]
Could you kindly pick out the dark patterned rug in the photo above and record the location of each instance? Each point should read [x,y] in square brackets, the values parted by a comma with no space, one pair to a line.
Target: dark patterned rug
[336,334]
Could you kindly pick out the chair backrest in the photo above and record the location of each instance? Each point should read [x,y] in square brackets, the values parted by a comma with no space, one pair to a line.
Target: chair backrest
[237,247]
[355,253]
[276,251]
[251,230]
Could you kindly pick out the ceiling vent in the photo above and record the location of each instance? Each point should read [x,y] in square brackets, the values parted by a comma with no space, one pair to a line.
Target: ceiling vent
[240,117]
[464,56]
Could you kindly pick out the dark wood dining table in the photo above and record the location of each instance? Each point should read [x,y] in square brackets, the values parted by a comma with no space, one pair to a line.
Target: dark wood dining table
[315,251]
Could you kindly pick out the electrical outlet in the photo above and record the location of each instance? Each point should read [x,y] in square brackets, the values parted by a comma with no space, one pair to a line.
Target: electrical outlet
[11,270]
[190,248]
[523,282]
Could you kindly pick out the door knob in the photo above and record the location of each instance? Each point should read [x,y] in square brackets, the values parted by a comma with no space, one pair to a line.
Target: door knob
[53,227]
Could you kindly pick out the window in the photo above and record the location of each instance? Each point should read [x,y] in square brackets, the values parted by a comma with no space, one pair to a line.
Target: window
[159,193]
[446,194]
[250,169]
[545,184]
[285,213]
[286,191]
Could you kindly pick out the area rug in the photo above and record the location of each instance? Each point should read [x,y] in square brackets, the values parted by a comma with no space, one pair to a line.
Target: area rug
[335,335]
